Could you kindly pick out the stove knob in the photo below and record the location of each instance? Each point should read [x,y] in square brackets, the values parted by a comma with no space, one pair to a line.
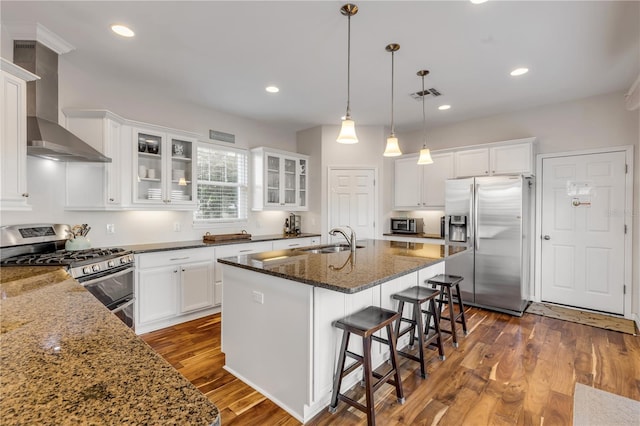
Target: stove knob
[86,270]
[123,260]
[111,264]
[96,268]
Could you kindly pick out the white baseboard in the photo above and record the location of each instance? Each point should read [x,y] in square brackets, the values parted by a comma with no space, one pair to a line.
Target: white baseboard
[168,322]
[636,319]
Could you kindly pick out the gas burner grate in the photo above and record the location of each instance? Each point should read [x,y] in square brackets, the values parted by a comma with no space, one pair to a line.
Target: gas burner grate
[62,256]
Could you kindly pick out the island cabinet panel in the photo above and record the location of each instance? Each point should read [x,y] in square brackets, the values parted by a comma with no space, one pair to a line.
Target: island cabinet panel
[330,306]
[277,321]
[267,335]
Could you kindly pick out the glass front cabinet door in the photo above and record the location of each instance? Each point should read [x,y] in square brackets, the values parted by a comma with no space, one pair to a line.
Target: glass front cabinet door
[163,170]
[280,180]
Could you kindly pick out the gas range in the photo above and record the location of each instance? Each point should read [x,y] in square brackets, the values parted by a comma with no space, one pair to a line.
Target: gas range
[43,245]
[80,263]
[107,273]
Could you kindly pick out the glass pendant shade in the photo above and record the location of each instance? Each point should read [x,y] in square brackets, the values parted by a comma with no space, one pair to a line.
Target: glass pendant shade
[425,156]
[392,149]
[182,182]
[347,132]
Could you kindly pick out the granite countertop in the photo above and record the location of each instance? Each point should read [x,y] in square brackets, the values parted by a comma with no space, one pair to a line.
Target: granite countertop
[180,245]
[65,359]
[421,235]
[376,262]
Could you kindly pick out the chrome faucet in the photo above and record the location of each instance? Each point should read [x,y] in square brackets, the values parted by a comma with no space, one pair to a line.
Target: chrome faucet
[351,239]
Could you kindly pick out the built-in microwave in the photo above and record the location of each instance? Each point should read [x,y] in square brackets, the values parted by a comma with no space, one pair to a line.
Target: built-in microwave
[405,225]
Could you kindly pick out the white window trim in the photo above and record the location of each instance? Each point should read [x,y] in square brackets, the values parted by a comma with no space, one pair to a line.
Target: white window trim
[224,223]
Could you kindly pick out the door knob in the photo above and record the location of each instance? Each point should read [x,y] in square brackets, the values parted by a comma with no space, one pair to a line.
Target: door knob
[546,237]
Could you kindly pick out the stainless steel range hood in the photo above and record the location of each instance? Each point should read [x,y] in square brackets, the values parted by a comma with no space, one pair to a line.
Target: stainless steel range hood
[45,137]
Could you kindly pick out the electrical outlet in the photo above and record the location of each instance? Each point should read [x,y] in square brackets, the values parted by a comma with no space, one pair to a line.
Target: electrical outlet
[176,226]
[258,297]
[111,228]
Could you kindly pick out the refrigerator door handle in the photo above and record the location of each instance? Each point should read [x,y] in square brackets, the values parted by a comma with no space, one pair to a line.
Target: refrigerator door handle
[472,222]
[476,196]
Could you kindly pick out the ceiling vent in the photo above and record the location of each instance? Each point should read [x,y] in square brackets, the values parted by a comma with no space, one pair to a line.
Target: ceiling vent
[418,95]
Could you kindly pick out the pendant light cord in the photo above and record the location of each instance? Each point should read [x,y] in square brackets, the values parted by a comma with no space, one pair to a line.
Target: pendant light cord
[424,116]
[348,116]
[392,68]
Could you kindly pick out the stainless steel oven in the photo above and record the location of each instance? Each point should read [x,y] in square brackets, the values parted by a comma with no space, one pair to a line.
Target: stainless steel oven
[107,273]
[114,289]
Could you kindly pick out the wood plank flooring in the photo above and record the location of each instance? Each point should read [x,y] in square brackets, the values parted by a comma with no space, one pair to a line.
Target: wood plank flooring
[507,371]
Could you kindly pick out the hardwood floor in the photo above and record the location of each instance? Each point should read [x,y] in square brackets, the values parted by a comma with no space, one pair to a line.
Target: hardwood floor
[507,371]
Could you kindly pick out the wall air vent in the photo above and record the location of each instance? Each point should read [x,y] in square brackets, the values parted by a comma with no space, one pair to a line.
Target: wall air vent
[418,95]
[222,136]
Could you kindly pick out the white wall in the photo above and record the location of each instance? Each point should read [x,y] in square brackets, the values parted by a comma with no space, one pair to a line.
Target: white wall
[594,122]
[321,141]
[79,89]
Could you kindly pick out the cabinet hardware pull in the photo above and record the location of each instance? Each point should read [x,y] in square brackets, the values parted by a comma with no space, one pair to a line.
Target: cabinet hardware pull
[182,269]
[293,245]
[179,258]
[111,199]
[244,251]
[25,195]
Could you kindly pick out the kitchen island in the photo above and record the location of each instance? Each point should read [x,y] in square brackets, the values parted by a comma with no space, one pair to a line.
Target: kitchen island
[66,359]
[278,308]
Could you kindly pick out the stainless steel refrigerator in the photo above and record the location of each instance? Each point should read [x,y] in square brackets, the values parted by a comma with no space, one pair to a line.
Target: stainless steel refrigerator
[491,216]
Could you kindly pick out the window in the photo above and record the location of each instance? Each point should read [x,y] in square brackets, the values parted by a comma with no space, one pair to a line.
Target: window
[222,184]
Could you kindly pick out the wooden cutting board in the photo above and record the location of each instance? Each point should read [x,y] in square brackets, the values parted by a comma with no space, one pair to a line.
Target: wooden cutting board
[211,238]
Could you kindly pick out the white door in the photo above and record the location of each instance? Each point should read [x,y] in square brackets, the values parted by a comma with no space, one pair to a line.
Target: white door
[583,249]
[352,201]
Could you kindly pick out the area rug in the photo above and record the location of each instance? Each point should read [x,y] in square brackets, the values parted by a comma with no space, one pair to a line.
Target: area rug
[596,407]
[583,317]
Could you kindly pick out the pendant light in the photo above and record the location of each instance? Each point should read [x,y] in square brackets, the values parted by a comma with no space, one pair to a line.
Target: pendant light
[425,154]
[392,149]
[348,131]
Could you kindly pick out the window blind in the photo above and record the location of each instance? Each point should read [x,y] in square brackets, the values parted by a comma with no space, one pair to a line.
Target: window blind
[222,175]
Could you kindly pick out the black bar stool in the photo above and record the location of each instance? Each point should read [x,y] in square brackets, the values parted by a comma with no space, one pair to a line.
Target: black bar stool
[364,323]
[417,296]
[446,283]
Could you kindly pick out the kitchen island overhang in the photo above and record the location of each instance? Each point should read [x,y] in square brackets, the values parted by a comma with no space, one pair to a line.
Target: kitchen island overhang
[278,308]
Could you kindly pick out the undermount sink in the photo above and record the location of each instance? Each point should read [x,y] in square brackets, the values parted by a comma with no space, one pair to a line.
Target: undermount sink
[333,248]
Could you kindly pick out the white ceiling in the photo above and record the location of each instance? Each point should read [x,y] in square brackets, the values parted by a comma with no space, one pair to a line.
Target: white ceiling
[222,54]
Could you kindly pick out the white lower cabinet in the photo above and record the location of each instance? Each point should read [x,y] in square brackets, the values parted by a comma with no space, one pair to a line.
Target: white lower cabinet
[181,285]
[156,294]
[196,291]
[173,286]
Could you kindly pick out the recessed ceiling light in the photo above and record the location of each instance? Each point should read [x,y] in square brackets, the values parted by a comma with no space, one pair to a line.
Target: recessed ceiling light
[122,30]
[519,71]
[478,1]
[272,89]
[444,107]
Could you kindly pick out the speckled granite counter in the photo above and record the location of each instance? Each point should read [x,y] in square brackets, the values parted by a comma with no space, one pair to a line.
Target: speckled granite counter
[421,235]
[65,359]
[179,245]
[376,262]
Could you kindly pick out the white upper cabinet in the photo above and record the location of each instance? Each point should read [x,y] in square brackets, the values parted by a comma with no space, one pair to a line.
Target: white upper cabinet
[472,162]
[163,169]
[13,137]
[98,186]
[421,186]
[508,157]
[280,180]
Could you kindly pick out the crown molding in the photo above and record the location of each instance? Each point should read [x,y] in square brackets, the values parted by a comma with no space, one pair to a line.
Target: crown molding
[39,33]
